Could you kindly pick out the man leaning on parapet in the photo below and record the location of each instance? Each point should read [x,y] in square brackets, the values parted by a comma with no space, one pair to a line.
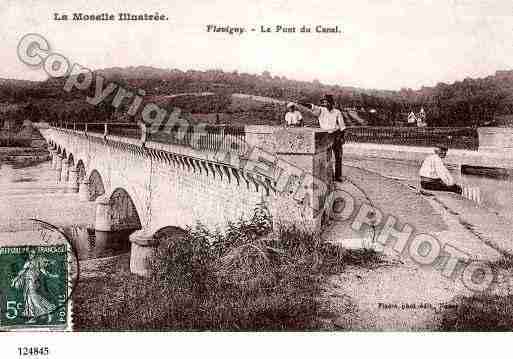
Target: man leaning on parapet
[331,118]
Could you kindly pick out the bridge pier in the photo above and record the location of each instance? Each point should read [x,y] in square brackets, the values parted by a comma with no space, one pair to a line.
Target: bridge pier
[73,180]
[65,171]
[53,154]
[83,191]
[58,167]
[103,219]
[143,248]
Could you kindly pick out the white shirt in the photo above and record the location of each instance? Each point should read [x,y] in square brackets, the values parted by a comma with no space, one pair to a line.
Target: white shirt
[434,168]
[329,120]
[293,118]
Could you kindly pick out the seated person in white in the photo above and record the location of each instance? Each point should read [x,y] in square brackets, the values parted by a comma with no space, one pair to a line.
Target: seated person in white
[293,117]
[434,176]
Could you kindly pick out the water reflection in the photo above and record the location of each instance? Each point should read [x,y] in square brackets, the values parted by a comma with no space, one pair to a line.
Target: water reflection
[98,244]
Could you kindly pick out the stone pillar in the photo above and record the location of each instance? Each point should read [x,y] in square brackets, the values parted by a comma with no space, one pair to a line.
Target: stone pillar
[65,171]
[55,159]
[58,167]
[53,154]
[143,248]
[73,180]
[103,221]
[83,191]
[307,158]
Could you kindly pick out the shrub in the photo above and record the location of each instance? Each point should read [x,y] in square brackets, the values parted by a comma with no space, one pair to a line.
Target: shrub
[247,278]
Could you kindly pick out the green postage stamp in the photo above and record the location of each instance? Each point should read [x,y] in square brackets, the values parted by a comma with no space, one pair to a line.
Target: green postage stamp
[34,288]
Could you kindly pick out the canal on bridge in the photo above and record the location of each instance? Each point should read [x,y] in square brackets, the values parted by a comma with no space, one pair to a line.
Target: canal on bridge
[496,192]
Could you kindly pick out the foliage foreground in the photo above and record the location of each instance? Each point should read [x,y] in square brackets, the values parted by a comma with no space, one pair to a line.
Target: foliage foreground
[239,280]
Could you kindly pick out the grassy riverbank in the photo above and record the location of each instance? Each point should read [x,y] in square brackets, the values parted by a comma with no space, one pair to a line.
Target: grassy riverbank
[208,281]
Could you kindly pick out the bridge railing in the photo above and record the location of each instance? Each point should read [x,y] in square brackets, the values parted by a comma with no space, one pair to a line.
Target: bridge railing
[232,138]
[453,137]
[98,128]
[121,129]
[131,130]
[204,138]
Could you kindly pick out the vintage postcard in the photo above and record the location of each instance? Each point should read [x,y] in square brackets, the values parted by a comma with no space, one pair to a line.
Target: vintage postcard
[256,166]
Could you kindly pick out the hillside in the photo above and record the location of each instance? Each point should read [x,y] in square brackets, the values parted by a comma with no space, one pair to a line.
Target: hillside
[241,97]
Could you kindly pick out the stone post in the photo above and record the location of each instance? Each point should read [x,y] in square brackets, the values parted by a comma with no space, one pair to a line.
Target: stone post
[103,220]
[58,167]
[53,155]
[73,180]
[306,157]
[83,191]
[143,248]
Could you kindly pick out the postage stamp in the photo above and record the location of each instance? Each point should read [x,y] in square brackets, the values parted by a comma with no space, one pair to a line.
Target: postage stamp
[34,288]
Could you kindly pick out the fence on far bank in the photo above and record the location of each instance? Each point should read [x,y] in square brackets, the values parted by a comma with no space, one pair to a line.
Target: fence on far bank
[465,138]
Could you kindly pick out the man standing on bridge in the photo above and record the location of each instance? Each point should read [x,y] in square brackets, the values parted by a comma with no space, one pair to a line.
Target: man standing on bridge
[331,118]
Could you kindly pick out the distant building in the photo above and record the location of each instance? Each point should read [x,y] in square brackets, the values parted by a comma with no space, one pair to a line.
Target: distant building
[418,119]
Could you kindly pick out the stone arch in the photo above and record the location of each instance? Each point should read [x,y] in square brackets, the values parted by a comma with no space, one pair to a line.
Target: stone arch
[81,171]
[64,154]
[124,214]
[59,149]
[96,186]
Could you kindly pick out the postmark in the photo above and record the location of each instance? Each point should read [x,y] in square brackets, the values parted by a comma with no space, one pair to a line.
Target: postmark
[34,287]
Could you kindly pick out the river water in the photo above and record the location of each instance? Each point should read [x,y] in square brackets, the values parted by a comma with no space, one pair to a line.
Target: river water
[33,192]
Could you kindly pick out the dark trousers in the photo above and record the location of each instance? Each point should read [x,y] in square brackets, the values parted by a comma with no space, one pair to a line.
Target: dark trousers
[337,152]
[438,185]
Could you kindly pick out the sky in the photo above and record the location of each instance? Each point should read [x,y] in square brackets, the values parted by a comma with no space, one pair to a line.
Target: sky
[384,44]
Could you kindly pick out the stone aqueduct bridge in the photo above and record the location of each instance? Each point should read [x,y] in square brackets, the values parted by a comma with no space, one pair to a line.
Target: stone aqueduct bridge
[156,184]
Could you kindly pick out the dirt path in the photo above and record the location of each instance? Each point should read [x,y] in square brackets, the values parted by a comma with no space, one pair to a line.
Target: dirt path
[399,294]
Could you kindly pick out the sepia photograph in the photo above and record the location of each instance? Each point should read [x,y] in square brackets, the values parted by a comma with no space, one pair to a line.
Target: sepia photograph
[255,166]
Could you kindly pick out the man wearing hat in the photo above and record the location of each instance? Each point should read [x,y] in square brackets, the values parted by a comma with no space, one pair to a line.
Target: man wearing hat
[331,118]
[293,117]
[434,176]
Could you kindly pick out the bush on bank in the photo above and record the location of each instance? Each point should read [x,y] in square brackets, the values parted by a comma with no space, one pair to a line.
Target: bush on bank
[238,280]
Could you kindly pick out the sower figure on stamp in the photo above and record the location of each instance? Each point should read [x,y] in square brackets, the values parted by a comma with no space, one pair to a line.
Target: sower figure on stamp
[331,118]
[29,280]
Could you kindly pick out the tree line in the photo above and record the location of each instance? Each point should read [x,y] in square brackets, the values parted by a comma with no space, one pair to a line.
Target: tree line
[467,103]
